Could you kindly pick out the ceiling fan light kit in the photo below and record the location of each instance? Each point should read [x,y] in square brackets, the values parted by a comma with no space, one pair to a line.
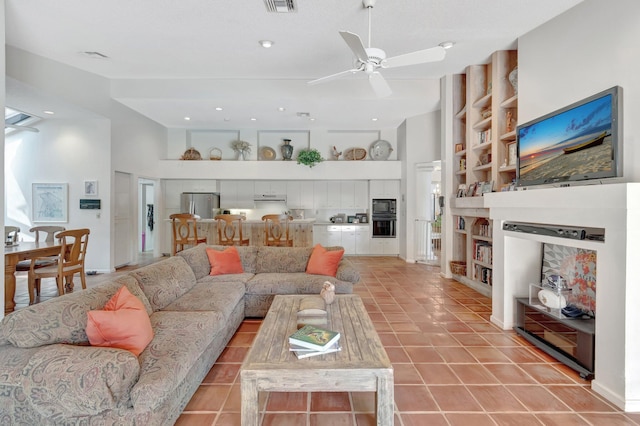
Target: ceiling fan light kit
[371,59]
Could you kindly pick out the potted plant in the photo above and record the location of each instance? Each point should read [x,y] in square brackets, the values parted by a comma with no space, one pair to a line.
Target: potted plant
[309,157]
[241,148]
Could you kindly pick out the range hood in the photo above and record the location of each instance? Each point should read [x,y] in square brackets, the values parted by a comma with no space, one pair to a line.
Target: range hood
[270,197]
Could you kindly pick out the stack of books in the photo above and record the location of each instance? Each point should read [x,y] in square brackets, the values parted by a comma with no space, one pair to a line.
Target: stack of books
[311,340]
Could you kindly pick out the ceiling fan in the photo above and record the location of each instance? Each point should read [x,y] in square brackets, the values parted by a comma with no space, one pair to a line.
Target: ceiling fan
[371,59]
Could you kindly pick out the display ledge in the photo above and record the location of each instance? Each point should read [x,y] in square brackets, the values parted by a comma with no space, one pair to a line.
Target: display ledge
[468,202]
[341,224]
[284,170]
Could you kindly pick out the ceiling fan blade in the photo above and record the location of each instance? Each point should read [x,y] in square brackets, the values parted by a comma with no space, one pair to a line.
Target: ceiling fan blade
[332,76]
[355,44]
[418,57]
[379,84]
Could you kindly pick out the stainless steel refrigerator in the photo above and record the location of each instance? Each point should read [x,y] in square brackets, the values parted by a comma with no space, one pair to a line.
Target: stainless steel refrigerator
[200,203]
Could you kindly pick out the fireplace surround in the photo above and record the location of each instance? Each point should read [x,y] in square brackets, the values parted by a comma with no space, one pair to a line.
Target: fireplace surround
[615,208]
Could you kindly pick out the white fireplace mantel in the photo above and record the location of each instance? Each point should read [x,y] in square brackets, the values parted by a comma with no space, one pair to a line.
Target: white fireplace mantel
[517,262]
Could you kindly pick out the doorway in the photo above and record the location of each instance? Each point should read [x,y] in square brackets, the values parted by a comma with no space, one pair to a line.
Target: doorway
[429,208]
[146,218]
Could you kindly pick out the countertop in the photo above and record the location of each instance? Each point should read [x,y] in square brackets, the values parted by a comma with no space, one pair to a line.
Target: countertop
[340,224]
[254,221]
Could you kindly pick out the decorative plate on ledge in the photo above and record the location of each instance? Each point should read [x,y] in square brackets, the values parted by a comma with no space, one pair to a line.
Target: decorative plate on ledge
[267,153]
[380,150]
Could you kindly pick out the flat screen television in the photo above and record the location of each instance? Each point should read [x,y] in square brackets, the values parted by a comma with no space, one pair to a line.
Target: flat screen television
[579,142]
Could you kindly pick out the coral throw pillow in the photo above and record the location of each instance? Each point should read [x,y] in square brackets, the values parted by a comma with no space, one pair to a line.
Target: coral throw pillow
[123,323]
[224,262]
[323,261]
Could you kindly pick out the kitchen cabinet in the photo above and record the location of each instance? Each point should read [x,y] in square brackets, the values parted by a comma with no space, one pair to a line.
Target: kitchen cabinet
[361,195]
[348,239]
[384,246]
[270,187]
[236,194]
[362,240]
[334,196]
[299,195]
[384,189]
[334,235]
[320,194]
[320,235]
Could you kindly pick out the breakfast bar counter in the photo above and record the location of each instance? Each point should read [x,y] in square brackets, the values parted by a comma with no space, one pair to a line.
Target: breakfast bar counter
[301,231]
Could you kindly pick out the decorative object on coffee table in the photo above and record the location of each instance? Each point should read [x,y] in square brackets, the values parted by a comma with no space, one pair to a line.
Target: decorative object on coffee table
[328,292]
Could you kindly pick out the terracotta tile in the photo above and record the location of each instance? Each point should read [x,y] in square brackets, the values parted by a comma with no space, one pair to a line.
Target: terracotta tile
[208,398]
[397,354]
[580,399]
[454,398]
[430,327]
[389,339]
[421,419]
[515,419]
[457,327]
[442,339]
[228,419]
[196,419]
[437,374]
[469,317]
[470,339]
[284,419]
[406,374]
[510,374]
[546,374]
[480,327]
[233,354]
[612,419]
[537,398]
[414,398]
[423,354]
[242,339]
[413,339]
[455,355]
[498,339]
[252,325]
[486,354]
[564,419]
[331,419]
[287,401]
[363,402]
[382,326]
[495,398]
[404,326]
[466,419]
[233,402]
[222,373]
[330,401]
[366,419]
[520,355]
[392,307]
[473,374]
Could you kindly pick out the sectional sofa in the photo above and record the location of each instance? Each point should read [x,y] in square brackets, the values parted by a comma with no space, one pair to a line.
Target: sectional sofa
[51,374]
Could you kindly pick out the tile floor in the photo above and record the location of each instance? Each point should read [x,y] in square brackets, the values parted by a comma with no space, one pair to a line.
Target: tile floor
[452,366]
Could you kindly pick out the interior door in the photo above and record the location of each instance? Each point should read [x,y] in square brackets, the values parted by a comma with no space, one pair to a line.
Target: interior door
[123,220]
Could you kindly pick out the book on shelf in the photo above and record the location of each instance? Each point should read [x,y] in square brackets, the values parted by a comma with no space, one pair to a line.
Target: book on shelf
[313,337]
[301,352]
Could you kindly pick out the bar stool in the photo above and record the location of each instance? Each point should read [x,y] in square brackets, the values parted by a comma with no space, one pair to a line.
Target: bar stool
[185,231]
[276,230]
[230,230]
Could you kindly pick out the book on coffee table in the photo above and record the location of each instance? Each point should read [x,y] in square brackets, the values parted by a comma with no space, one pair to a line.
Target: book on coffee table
[314,337]
[302,352]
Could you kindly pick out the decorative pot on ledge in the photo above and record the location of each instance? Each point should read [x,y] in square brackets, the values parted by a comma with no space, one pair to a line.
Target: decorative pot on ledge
[287,149]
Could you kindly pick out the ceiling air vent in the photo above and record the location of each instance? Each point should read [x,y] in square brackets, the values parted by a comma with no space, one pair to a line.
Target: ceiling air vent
[280,6]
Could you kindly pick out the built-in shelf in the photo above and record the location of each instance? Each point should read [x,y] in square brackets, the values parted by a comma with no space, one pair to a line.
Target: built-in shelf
[512,102]
[507,169]
[509,136]
[482,146]
[483,101]
[461,153]
[482,167]
[462,113]
[483,124]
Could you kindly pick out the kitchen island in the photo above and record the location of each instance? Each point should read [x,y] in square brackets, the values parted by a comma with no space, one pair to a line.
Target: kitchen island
[300,230]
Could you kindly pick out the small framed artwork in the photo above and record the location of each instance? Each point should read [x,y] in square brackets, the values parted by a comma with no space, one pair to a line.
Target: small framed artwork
[459,147]
[512,154]
[49,202]
[486,187]
[90,188]
[462,190]
[471,189]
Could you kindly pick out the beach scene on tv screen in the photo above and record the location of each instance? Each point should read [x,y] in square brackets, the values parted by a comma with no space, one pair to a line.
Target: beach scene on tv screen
[574,142]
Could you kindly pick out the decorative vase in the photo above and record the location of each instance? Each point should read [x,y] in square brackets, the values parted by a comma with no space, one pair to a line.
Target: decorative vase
[513,79]
[240,156]
[287,149]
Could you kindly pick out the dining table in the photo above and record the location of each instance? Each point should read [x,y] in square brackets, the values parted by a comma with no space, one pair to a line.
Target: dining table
[24,250]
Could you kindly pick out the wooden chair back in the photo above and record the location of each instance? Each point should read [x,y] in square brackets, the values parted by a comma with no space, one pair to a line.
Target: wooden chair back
[185,231]
[276,230]
[11,234]
[48,232]
[230,230]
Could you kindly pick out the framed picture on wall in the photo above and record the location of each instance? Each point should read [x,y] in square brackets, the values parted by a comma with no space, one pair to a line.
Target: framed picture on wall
[50,202]
[90,188]
[511,154]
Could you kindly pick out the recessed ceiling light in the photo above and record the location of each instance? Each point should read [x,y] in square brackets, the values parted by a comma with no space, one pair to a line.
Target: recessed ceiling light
[312,119]
[187,118]
[447,44]
[304,114]
[374,119]
[282,109]
[218,108]
[266,43]
[227,119]
[253,119]
[49,112]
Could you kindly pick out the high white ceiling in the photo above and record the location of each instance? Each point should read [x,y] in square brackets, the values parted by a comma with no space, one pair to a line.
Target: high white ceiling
[174,58]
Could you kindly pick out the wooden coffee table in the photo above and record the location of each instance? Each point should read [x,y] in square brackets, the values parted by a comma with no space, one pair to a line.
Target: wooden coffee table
[362,365]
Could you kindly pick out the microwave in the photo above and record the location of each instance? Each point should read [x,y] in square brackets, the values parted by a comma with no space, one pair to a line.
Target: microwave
[383,206]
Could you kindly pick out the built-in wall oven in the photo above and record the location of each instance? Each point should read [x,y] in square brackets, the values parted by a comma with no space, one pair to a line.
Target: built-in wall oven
[383,217]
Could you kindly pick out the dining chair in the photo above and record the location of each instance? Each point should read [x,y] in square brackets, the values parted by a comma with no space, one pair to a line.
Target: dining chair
[11,234]
[70,261]
[49,233]
[276,230]
[230,230]
[185,231]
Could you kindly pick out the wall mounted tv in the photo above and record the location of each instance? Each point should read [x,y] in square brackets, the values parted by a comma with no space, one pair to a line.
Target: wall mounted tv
[579,142]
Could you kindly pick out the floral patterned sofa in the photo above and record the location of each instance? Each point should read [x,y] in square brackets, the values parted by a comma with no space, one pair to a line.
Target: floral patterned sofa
[51,375]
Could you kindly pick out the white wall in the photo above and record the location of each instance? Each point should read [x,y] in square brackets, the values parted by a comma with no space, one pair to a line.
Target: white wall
[64,151]
[589,48]
[2,100]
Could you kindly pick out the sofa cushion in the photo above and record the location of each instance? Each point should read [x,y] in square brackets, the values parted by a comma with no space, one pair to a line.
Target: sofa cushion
[68,380]
[165,281]
[221,297]
[180,339]
[212,279]
[224,262]
[294,283]
[324,262]
[63,319]
[123,323]
[197,258]
[282,259]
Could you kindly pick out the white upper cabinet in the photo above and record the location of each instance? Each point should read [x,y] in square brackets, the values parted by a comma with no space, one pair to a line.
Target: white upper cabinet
[384,189]
[270,187]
